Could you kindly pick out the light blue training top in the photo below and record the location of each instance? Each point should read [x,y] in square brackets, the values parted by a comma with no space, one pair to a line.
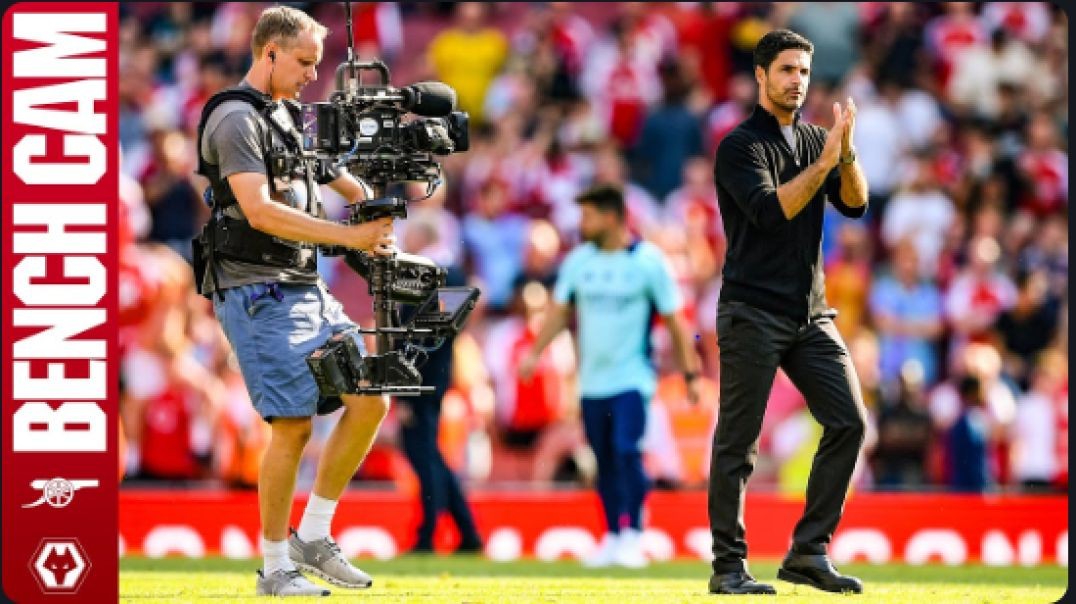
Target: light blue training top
[616,295]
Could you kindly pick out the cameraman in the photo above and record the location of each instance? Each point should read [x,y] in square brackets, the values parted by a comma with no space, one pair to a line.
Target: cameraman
[276,312]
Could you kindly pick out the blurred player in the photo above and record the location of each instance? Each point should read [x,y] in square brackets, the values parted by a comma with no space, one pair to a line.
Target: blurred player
[616,285]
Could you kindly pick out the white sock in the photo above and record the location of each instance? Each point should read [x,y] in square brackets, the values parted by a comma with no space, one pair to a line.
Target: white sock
[276,556]
[316,519]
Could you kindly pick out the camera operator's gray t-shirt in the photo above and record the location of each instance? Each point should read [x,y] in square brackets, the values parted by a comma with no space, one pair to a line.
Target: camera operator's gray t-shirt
[232,141]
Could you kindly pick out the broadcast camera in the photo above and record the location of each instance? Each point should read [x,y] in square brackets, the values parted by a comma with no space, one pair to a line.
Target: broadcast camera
[361,128]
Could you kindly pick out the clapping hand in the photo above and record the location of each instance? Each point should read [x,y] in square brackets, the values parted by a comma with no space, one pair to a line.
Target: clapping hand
[849,116]
[831,152]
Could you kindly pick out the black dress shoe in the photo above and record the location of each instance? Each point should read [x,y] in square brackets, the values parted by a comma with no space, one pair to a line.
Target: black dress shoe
[738,582]
[817,571]
[469,546]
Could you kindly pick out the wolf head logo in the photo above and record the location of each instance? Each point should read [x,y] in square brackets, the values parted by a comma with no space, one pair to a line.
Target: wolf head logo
[59,564]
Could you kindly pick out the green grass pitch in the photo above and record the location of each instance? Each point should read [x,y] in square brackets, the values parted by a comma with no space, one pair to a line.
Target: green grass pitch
[466,579]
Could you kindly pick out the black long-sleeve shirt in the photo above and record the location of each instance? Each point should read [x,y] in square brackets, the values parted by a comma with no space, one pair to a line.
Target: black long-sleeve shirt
[774,263]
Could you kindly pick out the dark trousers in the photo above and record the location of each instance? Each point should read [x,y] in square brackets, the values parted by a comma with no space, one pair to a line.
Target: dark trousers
[754,343]
[614,427]
[440,489]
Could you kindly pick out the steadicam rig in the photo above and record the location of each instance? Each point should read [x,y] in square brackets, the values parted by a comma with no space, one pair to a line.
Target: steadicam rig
[361,128]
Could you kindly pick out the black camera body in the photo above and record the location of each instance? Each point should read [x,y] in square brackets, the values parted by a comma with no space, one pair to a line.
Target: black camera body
[363,127]
[338,127]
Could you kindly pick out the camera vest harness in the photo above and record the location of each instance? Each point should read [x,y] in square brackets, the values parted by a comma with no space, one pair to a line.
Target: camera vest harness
[227,238]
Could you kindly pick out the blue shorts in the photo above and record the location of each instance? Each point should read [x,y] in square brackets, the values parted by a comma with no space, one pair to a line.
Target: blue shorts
[272,328]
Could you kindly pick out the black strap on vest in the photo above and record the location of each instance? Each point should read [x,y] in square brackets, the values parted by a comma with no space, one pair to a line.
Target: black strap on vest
[222,193]
[226,238]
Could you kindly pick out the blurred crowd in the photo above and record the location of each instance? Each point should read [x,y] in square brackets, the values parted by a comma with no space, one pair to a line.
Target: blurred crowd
[952,292]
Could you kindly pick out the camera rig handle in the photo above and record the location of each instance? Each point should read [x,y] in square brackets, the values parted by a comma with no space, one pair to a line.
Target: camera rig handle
[381,207]
[354,68]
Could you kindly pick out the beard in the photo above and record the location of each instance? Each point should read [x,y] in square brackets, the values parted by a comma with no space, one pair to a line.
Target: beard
[779,99]
[594,237]
[596,234]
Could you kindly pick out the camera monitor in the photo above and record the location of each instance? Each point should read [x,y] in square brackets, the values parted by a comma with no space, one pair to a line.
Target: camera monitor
[446,310]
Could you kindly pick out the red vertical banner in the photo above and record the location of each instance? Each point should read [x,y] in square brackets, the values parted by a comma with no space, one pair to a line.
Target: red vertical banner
[60,167]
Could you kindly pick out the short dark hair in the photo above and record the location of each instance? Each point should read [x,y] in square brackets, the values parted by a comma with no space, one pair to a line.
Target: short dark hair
[606,198]
[776,41]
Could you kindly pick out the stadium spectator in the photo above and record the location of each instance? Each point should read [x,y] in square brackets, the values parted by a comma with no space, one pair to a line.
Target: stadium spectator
[468,56]
[693,219]
[848,275]
[243,437]
[671,134]
[176,208]
[527,410]
[883,141]
[620,79]
[947,35]
[968,441]
[678,433]
[1044,168]
[905,434]
[724,116]
[893,43]
[920,210]
[172,398]
[979,293]
[431,230]
[571,36]
[978,71]
[653,31]
[907,309]
[495,238]
[834,28]
[1028,327]
[1027,21]
[703,32]
[1049,251]
[378,30]
[1035,461]
[541,255]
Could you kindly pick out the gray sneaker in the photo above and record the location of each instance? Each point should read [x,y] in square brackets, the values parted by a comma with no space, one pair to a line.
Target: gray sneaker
[288,583]
[324,559]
